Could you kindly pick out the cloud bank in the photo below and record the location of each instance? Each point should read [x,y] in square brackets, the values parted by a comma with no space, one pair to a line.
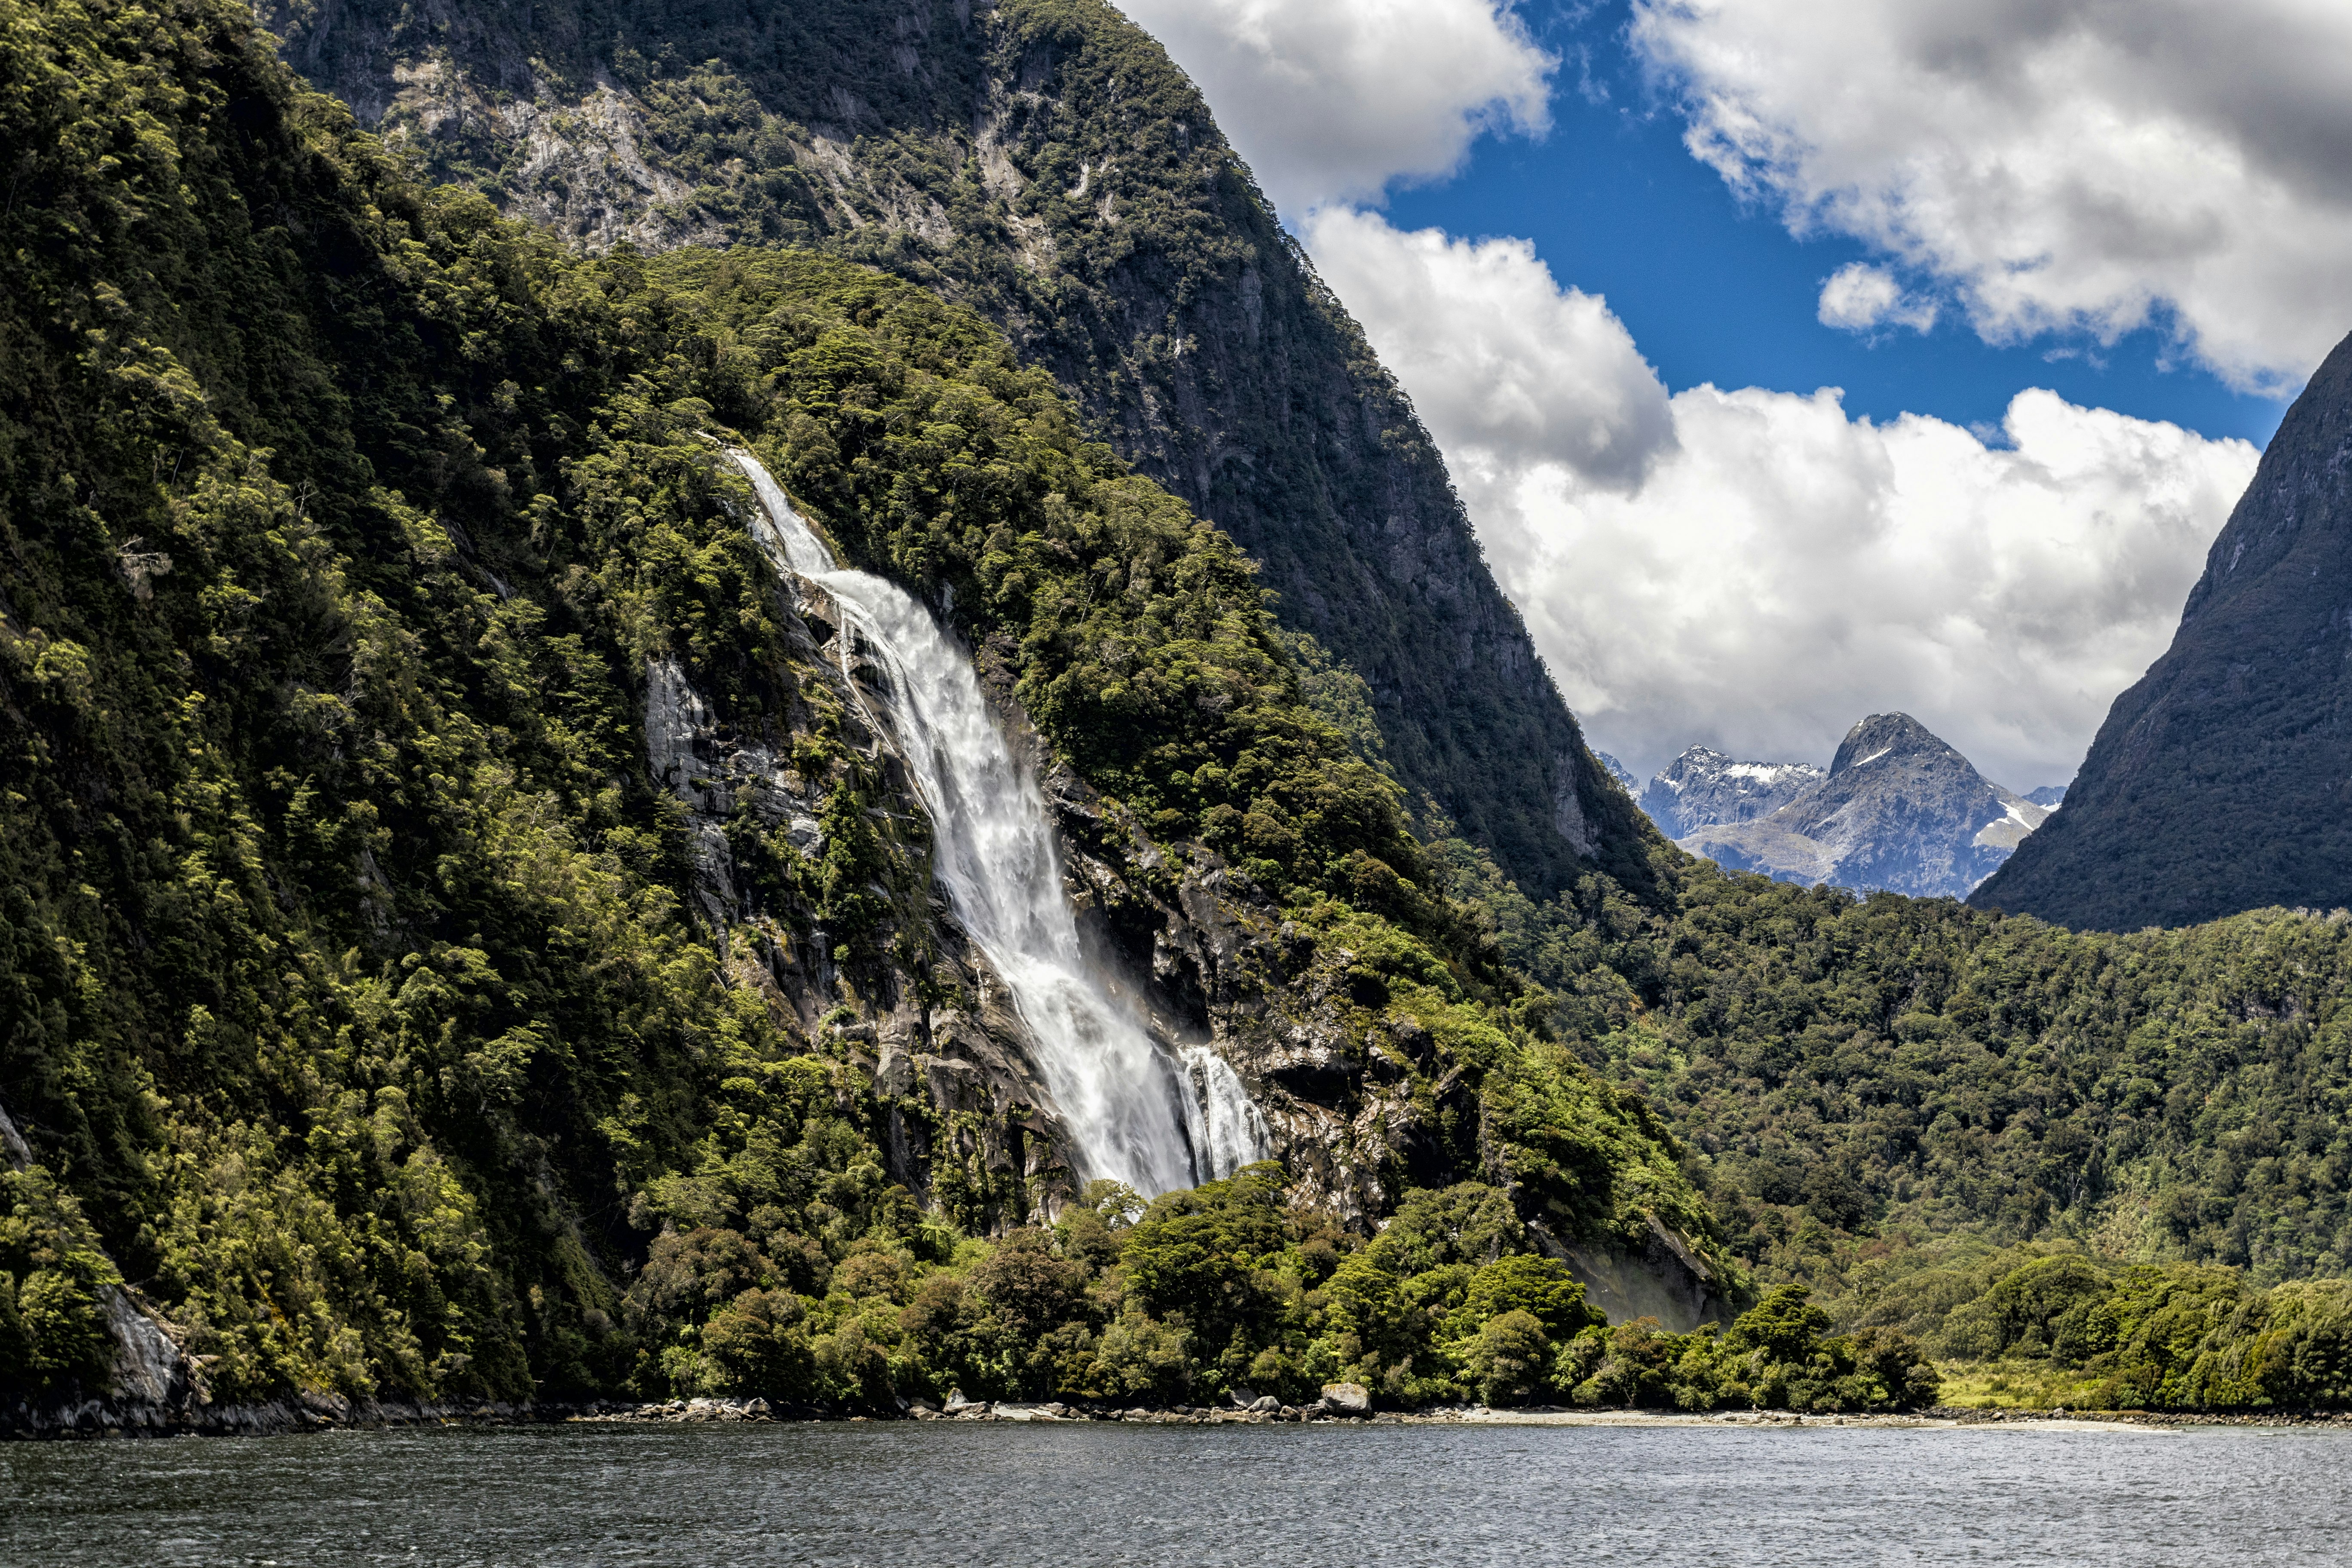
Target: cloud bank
[1755,569]
[2058,165]
[1331,99]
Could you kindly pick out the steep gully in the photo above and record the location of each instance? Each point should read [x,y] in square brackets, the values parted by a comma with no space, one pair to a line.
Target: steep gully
[1137,1114]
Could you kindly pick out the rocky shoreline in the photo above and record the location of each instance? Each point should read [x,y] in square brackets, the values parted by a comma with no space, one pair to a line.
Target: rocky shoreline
[1341,1403]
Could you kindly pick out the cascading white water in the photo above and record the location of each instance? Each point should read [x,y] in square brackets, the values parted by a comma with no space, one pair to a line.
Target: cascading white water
[1129,1106]
[1225,1124]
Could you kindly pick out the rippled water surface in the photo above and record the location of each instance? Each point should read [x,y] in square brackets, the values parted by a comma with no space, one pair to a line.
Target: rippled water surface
[903,1494]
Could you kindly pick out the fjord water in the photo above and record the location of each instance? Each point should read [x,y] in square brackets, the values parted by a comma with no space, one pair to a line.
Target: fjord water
[1137,1115]
[912,1495]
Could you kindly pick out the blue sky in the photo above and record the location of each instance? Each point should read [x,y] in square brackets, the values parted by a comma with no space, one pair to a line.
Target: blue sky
[2082,255]
[1717,290]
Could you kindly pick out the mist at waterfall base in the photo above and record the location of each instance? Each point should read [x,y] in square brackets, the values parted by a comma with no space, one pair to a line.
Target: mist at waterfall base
[1137,1115]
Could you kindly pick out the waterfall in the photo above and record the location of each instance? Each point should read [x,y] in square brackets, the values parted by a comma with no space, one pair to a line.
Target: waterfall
[1226,1127]
[1137,1115]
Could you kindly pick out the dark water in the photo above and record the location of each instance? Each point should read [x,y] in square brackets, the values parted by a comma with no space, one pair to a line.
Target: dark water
[1003,1495]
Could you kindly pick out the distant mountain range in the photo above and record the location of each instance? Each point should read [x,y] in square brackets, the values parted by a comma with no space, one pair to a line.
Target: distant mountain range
[1704,788]
[1898,809]
[2223,781]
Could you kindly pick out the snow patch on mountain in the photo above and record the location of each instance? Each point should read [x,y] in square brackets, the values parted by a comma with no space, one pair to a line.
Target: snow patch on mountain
[1898,809]
[1703,788]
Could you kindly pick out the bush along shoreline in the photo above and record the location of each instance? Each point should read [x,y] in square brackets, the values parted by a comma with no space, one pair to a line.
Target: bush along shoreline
[1226,1304]
[1221,1297]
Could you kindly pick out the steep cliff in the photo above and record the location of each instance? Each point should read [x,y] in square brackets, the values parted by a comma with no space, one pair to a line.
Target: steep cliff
[1899,810]
[1043,162]
[2220,782]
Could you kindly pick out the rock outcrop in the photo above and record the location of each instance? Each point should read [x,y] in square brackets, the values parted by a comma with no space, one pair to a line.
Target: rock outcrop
[2221,782]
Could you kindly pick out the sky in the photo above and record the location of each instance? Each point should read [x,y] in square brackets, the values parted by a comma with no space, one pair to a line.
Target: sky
[1797,363]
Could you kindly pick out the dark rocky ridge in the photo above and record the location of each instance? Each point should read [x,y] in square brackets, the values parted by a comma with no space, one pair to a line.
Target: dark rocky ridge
[2223,781]
[1899,810]
[1044,162]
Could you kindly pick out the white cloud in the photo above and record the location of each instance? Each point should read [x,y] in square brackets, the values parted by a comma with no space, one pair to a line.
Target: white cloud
[1482,333]
[1757,570]
[1859,297]
[2089,165]
[1331,99]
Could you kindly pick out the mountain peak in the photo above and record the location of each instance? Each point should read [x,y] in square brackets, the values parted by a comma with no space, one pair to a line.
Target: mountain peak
[1900,809]
[1883,735]
[1704,788]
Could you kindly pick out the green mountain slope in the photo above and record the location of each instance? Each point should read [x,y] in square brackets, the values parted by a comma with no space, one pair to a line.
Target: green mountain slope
[1043,161]
[1855,1077]
[2218,782]
[363,1013]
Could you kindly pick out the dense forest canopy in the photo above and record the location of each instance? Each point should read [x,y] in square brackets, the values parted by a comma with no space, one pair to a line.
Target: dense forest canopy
[357,1016]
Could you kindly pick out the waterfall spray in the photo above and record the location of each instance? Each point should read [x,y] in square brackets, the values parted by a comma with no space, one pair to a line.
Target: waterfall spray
[1137,1115]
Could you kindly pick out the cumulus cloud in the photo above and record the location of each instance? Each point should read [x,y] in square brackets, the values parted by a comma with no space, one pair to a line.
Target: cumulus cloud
[1331,99]
[1482,332]
[1860,297]
[2074,165]
[1755,569]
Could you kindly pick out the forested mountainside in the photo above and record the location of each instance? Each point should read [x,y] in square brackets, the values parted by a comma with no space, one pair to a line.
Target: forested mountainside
[1860,1078]
[1899,811]
[467,932]
[1043,162]
[2220,782]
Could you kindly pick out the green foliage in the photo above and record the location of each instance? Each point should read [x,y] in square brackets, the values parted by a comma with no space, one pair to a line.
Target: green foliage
[1044,163]
[53,1278]
[1137,634]
[2043,1326]
[1779,1356]
[353,989]
[1850,1071]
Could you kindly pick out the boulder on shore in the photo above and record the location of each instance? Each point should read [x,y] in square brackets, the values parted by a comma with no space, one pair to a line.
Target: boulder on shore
[1346,1399]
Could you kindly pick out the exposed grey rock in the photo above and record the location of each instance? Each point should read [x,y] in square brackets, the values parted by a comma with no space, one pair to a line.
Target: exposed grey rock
[1705,788]
[154,1383]
[1664,1278]
[1346,1399]
[1899,810]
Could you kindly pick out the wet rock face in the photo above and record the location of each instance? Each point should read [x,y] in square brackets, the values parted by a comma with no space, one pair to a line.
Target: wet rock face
[1351,1110]
[1192,948]
[941,1042]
